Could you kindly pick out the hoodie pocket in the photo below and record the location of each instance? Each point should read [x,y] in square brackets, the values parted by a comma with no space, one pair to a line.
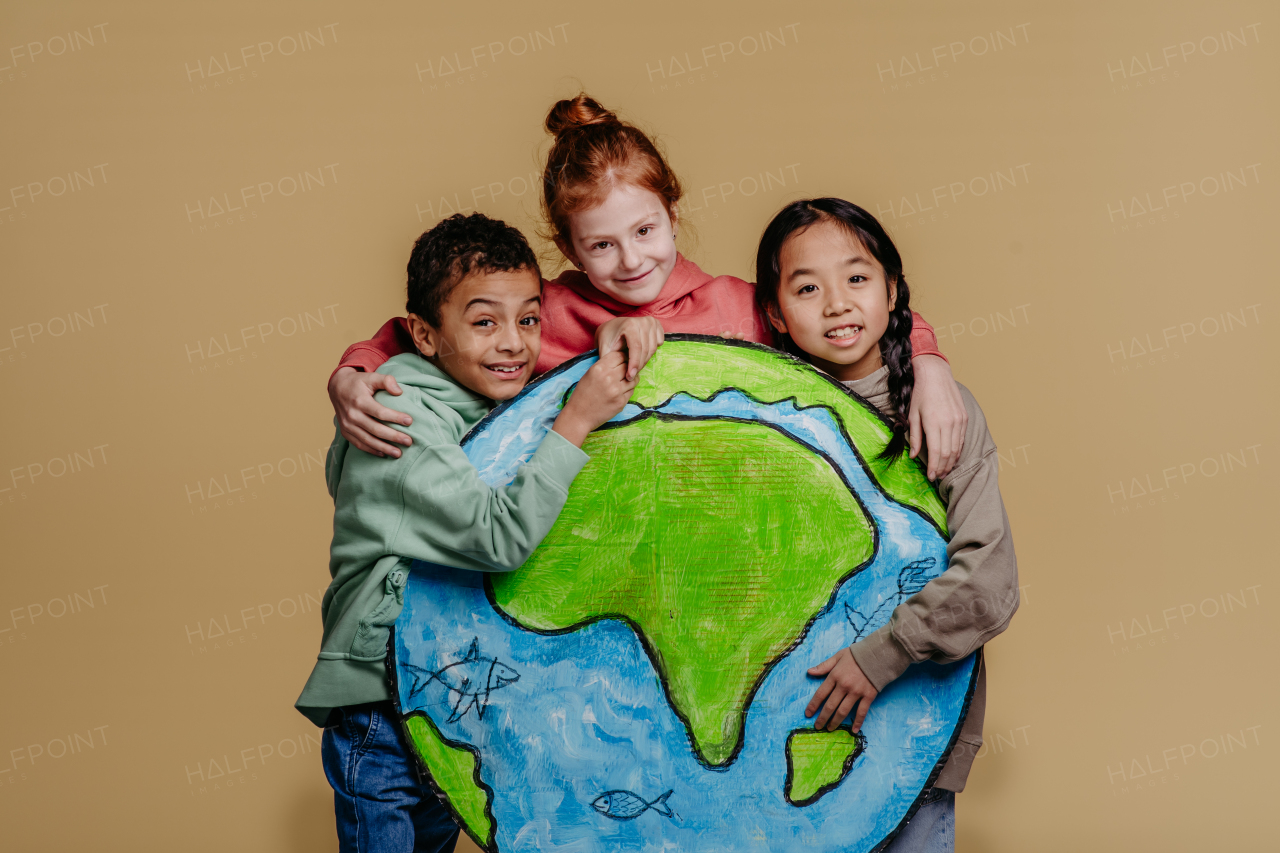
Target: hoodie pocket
[374,630]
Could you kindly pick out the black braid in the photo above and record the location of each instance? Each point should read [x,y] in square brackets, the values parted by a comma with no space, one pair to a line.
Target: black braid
[895,351]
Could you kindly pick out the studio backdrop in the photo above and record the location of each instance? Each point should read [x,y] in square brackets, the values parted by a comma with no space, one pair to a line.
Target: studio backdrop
[202,206]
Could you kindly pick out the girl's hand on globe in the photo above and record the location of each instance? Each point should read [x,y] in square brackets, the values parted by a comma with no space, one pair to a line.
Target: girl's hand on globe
[844,687]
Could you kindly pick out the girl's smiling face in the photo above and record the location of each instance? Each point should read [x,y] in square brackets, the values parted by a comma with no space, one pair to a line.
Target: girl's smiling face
[833,300]
[626,245]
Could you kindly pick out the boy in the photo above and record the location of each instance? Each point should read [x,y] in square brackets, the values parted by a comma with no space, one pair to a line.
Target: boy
[474,298]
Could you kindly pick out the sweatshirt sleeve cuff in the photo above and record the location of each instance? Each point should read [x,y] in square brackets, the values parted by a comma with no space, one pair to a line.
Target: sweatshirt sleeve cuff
[923,339]
[935,354]
[361,357]
[559,458]
[880,657]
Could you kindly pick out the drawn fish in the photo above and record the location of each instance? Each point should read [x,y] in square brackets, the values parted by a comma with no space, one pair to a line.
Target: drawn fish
[624,805]
[910,581]
[473,678]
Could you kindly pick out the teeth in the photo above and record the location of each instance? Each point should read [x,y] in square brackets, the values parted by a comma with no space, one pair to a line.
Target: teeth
[844,332]
[505,369]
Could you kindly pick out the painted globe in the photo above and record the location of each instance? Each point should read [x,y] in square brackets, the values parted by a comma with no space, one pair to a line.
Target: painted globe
[640,682]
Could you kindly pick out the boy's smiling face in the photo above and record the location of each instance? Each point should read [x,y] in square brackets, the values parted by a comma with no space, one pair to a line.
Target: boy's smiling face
[489,335]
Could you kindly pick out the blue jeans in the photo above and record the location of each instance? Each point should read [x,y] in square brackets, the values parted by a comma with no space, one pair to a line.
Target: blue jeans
[932,828]
[381,804]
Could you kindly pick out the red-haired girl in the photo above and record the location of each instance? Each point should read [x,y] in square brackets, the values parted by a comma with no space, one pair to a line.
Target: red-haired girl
[611,206]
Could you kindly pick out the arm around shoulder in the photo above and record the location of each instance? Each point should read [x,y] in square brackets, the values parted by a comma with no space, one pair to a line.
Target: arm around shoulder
[391,339]
[363,420]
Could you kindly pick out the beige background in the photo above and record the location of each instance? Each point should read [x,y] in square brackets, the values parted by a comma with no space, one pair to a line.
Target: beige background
[1085,197]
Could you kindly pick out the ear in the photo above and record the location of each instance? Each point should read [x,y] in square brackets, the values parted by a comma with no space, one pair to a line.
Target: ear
[674,215]
[775,317]
[893,293]
[425,336]
[567,251]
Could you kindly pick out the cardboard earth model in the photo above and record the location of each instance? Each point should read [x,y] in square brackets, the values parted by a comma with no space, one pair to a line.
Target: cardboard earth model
[639,683]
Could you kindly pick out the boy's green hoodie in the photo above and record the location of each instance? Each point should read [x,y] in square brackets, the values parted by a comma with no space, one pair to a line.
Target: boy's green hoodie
[429,504]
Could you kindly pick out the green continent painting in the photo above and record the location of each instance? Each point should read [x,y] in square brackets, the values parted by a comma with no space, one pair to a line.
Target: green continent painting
[453,769]
[817,762]
[641,681]
[718,541]
[700,369]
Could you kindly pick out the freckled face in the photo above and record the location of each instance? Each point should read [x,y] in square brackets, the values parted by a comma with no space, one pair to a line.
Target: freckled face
[626,245]
[833,300]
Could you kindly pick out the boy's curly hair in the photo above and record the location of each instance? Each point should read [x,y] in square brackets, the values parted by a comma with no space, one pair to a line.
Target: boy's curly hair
[455,248]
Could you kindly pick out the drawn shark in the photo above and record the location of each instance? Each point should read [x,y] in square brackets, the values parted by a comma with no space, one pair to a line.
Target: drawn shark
[473,678]
[910,581]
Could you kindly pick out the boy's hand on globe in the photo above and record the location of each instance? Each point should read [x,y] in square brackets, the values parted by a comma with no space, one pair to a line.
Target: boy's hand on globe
[639,336]
[845,686]
[599,395]
[361,418]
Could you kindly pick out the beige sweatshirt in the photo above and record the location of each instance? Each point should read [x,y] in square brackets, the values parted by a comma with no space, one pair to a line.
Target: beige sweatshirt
[969,603]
